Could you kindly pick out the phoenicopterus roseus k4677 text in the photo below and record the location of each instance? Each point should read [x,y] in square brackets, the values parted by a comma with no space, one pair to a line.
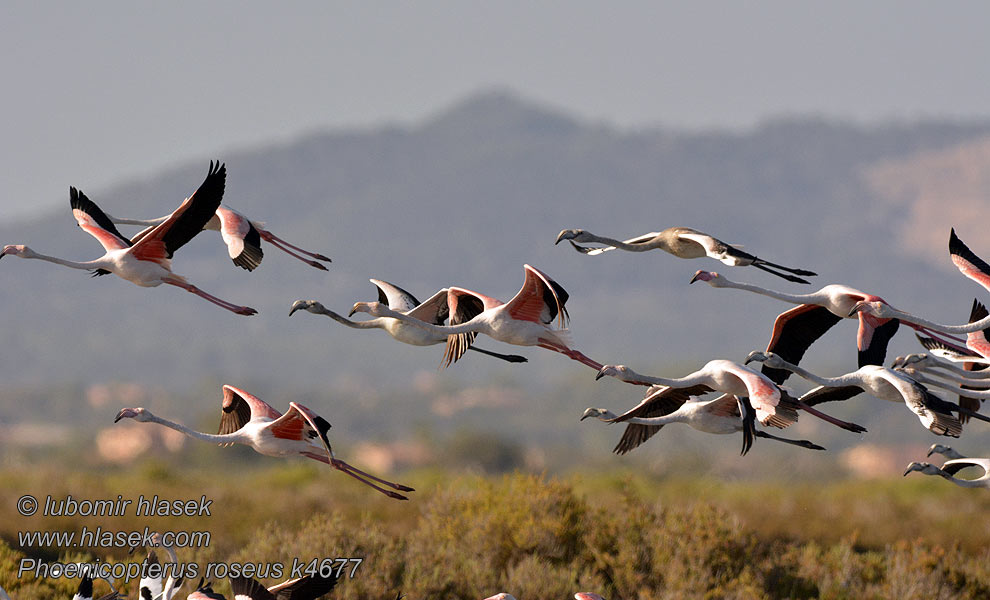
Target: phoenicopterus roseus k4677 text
[243,238]
[147,261]
[434,311]
[246,419]
[683,242]
[523,321]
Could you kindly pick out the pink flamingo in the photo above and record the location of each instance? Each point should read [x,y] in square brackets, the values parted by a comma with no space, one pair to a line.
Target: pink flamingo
[146,261]
[246,419]
[523,321]
[795,330]
[728,377]
[243,238]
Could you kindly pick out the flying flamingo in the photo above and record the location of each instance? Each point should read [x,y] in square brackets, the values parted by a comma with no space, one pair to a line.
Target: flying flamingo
[147,261]
[738,380]
[951,467]
[84,591]
[434,310]
[663,405]
[945,451]
[242,237]
[308,587]
[970,265]
[796,329]
[892,385]
[522,321]
[683,242]
[973,390]
[151,584]
[246,419]
[204,591]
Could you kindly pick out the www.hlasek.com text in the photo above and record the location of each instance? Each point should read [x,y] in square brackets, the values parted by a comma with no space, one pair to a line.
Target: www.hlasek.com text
[100,538]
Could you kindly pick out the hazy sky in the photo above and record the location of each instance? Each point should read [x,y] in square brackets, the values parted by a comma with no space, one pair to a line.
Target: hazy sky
[98,92]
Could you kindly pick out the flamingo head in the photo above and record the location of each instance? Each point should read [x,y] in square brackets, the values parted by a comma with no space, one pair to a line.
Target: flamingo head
[922,359]
[598,413]
[579,235]
[16,250]
[372,308]
[308,305]
[501,596]
[617,371]
[711,277]
[588,596]
[138,414]
[944,451]
[768,358]
[873,308]
[926,468]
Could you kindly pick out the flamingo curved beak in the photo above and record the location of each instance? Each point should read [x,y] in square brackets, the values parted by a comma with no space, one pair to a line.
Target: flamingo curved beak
[601,373]
[565,234]
[354,309]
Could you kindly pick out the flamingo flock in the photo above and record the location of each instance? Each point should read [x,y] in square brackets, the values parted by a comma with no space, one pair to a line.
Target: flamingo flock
[720,397]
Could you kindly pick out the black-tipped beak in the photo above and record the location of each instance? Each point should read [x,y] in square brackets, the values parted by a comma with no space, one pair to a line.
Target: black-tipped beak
[695,278]
[353,310]
[298,304]
[120,415]
[601,373]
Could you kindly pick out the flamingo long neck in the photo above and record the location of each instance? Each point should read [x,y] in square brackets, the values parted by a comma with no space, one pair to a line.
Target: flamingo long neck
[440,330]
[826,381]
[619,244]
[973,483]
[376,323]
[695,378]
[812,298]
[663,420]
[961,379]
[199,435]
[984,374]
[983,323]
[981,394]
[87,265]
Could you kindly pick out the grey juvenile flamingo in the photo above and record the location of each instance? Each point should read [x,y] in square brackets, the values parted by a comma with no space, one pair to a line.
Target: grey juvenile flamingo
[682,242]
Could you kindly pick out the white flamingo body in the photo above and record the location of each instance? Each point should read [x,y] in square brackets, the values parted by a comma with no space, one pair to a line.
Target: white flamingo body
[523,321]
[434,310]
[883,383]
[682,242]
[246,419]
[722,376]
[144,261]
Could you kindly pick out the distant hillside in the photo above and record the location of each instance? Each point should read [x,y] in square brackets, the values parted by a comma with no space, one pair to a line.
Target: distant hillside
[469,196]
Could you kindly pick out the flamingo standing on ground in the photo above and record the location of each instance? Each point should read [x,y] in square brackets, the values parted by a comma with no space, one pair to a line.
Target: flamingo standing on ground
[663,405]
[892,385]
[738,380]
[522,321]
[243,238]
[682,242]
[434,311]
[246,419]
[147,261]
[795,330]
